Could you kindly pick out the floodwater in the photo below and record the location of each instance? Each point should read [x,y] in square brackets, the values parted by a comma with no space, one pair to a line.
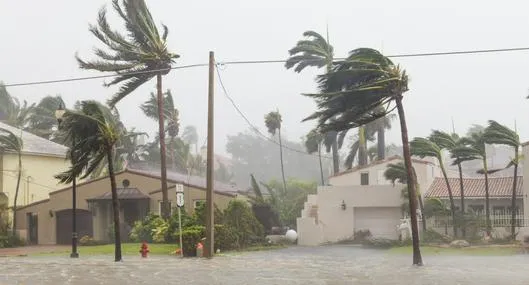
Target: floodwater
[297,265]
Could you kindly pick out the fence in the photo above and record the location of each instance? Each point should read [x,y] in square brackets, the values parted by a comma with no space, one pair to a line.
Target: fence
[497,218]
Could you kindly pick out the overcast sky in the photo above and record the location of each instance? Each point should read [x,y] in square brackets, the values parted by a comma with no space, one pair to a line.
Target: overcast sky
[40,38]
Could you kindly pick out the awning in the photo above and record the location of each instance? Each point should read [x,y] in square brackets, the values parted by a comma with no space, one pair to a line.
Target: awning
[123,194]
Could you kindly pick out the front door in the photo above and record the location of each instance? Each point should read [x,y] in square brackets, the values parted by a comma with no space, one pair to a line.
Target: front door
[32,228]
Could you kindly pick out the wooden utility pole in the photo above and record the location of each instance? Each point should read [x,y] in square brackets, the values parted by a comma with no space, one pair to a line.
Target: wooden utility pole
[209,249]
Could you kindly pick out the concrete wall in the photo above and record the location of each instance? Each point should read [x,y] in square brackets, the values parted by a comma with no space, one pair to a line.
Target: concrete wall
[37,177]
[525,186]
[332,223]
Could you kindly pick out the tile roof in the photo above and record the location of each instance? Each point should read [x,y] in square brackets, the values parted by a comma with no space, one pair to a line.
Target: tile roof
[33,144]
[475,187]
[377,162]
[123,194]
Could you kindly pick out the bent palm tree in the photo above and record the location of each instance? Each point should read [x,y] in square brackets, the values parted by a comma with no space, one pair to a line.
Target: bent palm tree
[12,112]
[96,134]
[313,143]
[273,124]
[315,51]
[497,133]
[42,119]
[9,142]
[365,81]
[427,148]
[136,59]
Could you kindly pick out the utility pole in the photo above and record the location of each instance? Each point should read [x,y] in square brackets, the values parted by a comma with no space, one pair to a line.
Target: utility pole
[209,249]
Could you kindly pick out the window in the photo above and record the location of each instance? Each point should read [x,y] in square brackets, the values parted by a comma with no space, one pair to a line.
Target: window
[364,178]
[160,208]
[498,209]
[197,203]
[477,208]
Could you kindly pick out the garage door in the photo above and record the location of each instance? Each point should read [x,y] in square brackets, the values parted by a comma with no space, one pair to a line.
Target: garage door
[64,225]
[380,221]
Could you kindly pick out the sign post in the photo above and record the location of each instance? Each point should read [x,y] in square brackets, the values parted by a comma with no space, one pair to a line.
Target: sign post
[180,204]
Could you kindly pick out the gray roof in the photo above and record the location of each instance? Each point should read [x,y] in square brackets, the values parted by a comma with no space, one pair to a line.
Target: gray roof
[33,144]
[123,194]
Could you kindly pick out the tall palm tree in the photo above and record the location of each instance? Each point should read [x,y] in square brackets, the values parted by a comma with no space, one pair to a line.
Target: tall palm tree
[12,112]
[42,118]
[135,58]
[365,81]
[273,124]
[474,148]
[313,143]
[10,143]
[359,146]
[190,136]
[423,147]
[396,172]
[96,133]
[170,114]
[497,133]
[381,125]
[315,51]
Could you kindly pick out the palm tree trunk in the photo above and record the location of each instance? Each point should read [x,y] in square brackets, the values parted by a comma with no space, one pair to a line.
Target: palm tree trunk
[163,168]
[450,196]
[362,146]
[335,158]
[115,205]
[487,199]
[513,201]
[19,176]
[321,165]
[463,226]
[381,143]
[412,195]
[173,153]
[419,196]
[281,159]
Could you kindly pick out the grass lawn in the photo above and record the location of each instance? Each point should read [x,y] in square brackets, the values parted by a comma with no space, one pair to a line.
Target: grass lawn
[480,251]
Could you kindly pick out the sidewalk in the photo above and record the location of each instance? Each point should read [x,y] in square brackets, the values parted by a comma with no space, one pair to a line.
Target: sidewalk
[32,249]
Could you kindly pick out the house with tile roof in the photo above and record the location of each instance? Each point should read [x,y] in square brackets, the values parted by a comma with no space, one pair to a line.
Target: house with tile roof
[41,161]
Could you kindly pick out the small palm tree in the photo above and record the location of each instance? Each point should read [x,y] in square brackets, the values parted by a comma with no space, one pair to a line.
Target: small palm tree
[313,143]
[315,51]
[136,59]
[96,133]
[351,96]
[10,143]
[12,112]
[273,124]
[497,133]
[396,172]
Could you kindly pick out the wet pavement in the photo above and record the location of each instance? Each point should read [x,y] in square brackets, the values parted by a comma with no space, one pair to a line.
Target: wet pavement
[296,265]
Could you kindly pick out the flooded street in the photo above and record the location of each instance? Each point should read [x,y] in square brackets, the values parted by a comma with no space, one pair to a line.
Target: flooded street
[298,265]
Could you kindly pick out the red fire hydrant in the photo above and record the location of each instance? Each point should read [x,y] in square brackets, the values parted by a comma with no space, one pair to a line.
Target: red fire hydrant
[144,249]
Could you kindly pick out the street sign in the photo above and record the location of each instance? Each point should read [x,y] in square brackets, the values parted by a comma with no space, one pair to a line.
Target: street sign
[180,199]
[179,188]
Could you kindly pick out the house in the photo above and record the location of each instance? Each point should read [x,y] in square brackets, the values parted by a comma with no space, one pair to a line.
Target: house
[49,221]
[41,161]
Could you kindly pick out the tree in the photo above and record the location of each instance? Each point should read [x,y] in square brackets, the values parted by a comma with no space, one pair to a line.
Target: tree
[396,172]
[96,134]
[359,147]
[496,133]
[9,142]
[473,148]
[135,59]
[315,51]
[349,97]
[11,111]
[190,136]
[313,143]
[423,147]
[273,124]
[223,174]
[42,119]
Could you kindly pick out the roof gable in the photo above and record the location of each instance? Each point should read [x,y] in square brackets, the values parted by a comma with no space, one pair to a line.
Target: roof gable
[33,144]
[378,162]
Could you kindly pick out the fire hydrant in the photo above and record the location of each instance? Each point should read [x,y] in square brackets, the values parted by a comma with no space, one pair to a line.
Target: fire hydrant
[144,249]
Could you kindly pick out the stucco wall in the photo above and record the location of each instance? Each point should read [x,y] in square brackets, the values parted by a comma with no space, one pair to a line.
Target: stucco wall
[525,186]
[37,177]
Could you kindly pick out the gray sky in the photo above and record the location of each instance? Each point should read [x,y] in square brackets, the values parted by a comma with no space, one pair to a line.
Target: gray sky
[40,38]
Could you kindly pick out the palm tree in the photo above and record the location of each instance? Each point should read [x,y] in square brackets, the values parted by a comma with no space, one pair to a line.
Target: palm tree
[381,125]
[9,142]
[170,114]
[190,136]
[96,133]
[473,148]
[497,133]
[273,124]
[42,118]
[423,147]
[313,143]
[349,97]
[359,146]
[396,172]
[11,111]
[315,51]
[135,59]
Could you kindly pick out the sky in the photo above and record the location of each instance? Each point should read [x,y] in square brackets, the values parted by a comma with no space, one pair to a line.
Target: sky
[40,39]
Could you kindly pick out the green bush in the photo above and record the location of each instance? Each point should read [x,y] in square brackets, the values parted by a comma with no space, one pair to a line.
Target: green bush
[247,229]
[225,238]
[191,236]
[151,229]
[432,236]
[11,241]
[89,241]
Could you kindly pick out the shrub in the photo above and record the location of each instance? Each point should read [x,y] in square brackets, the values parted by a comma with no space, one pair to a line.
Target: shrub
[88,241]
[239,217]
[433,236]
[266,215]
[362,235]
[191,236]
[225,238]
[151,229]
[11,241]
[381,243]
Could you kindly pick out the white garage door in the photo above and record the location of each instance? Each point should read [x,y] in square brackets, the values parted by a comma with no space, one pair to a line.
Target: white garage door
[380,221]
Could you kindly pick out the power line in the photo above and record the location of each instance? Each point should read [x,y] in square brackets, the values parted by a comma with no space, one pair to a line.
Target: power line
[252,126]
[241,62]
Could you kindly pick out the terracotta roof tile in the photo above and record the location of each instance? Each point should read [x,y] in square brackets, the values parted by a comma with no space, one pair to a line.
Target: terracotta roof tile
[475,187]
